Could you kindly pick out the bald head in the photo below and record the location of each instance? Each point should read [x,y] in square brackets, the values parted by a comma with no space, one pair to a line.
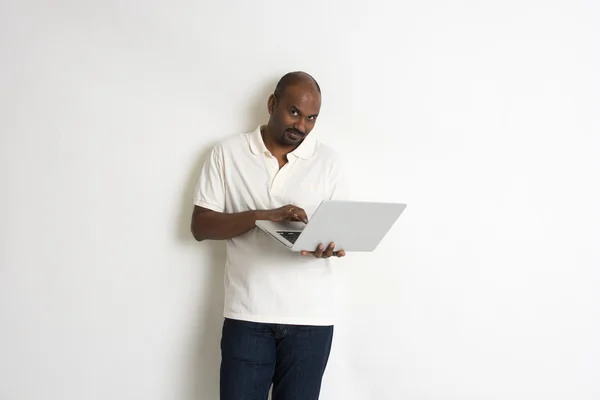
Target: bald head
[294,78]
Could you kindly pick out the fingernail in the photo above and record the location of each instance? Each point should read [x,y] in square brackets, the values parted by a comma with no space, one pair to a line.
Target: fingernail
[320,247]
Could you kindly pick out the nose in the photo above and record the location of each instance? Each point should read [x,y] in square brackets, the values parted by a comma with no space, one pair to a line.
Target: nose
[300,125]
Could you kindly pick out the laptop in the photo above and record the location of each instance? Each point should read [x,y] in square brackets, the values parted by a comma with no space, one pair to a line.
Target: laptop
[351,225]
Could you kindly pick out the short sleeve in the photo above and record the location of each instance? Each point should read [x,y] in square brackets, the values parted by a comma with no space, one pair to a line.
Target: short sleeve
[210,190]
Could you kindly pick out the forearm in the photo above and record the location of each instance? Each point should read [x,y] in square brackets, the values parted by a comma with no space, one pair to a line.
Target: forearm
[219,226]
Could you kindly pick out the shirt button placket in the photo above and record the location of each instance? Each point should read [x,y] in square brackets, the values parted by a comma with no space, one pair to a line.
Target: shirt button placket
[271,163]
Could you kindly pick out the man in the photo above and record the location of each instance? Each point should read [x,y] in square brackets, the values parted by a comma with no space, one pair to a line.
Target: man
[278,304]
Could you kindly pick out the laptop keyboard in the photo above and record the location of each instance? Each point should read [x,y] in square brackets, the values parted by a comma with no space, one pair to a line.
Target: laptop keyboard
[291,236]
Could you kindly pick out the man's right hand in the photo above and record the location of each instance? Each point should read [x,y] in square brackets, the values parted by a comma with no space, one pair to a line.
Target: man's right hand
[285,213]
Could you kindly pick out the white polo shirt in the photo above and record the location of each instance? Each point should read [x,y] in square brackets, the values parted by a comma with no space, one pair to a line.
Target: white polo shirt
[265,282]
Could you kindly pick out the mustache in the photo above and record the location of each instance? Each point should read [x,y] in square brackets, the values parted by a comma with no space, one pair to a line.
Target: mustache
[296,131]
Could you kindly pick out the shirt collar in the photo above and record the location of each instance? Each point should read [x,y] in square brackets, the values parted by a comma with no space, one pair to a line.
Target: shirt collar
[304,151]
[257,145]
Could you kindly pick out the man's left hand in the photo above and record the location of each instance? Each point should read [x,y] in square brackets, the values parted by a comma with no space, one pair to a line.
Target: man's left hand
[322,252]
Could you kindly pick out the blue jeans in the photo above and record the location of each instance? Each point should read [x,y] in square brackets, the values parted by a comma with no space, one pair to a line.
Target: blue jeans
[291,357]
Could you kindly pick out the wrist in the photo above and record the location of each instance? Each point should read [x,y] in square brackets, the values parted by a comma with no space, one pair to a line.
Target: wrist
[259,215]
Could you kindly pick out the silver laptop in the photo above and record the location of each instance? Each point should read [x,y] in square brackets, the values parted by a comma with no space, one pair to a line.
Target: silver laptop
[351,225]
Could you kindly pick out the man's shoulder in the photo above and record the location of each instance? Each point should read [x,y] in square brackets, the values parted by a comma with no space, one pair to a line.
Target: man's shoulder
[233,143]
[326,152]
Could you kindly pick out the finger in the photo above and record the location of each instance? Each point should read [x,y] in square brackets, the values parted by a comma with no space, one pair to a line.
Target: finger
[296,213]
[340,253]
[306,253]
[319,252]
[302,215]
[290,213]
[329,251]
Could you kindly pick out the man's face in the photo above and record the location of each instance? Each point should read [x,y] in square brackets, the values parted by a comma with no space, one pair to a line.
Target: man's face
[294,115]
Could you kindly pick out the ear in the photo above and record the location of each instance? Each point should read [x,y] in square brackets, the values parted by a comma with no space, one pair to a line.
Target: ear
[271,104]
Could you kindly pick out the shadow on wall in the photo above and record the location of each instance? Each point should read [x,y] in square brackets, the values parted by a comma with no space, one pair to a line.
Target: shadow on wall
[205,356]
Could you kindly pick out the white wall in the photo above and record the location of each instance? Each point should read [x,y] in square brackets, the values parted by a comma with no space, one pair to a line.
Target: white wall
[482,116]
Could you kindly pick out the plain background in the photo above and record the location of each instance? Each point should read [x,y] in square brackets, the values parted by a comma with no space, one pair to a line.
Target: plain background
[483,116]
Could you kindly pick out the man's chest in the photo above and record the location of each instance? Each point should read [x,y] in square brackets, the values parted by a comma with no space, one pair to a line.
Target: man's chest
[259,183]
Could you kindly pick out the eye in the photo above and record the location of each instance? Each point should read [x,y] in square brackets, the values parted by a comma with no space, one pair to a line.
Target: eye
[312,117]
[294,112]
